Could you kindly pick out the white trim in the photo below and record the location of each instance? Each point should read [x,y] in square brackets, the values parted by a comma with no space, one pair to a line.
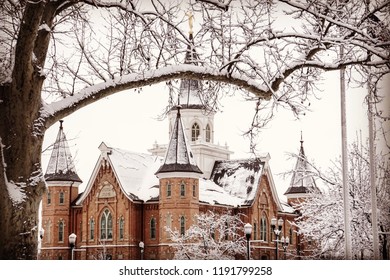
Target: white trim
[63,184]
[191,175]
[298,195]
[107,245]
[272,185]
[93,179]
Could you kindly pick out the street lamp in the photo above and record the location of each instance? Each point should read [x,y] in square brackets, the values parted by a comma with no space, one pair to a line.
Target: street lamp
[248,232]
[285,242]
[277,232]
[72,243]
[142,246]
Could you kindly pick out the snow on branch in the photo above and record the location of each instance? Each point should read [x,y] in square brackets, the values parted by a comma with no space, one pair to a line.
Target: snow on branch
[56,110]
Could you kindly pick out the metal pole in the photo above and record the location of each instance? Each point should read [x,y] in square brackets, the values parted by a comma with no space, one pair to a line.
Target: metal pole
[344,151]
[374,206]
[247,247]
[276,249]
[72,253]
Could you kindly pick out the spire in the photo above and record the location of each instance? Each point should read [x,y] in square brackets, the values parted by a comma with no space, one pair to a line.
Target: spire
[61,166]
[190,90]
[302,180]
[179,157]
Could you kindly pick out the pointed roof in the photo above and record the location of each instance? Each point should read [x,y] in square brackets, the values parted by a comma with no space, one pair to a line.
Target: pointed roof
[302,180]
[61,166]
[189,94]
[179,157]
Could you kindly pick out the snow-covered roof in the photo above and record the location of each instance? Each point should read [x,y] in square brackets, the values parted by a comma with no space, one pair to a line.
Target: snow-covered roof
[233,182]
[61,166]
[211,193]
[286,208]
[135,172]
[239,178]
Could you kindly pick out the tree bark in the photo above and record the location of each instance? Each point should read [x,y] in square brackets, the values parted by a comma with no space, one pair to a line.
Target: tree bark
[21,137]
[20,164]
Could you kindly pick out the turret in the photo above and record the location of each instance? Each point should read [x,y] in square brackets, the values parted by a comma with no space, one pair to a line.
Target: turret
[62,183]
[179,186]
[302,181]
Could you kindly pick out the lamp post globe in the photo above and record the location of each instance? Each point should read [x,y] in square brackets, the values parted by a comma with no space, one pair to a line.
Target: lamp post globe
[248,232]
[142,246]
[72,243]
[276,226]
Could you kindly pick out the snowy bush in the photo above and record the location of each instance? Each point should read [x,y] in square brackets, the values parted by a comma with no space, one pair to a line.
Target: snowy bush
[213,237]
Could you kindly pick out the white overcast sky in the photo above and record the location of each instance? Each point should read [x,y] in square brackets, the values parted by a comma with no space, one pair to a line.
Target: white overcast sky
[128,120]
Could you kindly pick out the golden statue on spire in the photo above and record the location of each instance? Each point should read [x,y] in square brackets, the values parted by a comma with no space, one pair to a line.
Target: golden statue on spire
[190,21]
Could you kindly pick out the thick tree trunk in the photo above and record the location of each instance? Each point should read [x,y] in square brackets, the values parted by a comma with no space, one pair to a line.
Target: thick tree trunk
[21,136]
[21,179]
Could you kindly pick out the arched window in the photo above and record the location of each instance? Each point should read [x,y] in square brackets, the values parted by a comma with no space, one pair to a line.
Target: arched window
[152,228]
[195,131]
[121,228]
[106,225]
[182,225]
[91,228]
[208,133]
[263,229]
[61,231]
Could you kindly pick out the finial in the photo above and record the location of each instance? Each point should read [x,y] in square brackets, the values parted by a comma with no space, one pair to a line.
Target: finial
[301,139]
[190,21]
[61,121]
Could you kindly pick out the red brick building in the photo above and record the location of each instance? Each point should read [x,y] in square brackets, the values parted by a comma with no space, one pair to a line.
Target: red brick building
[131,198]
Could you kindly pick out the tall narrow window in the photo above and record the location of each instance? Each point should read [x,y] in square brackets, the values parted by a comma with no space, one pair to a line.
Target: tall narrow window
[106,225]
[91,228]
[194,190]
[291,236]
[61,231]
[182,225]
[263,229]
[208,133]
[121,228]
[62,198]
[153,228]
[169,190]
[182,189]
[48,198]
[254,231]
[195,131]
